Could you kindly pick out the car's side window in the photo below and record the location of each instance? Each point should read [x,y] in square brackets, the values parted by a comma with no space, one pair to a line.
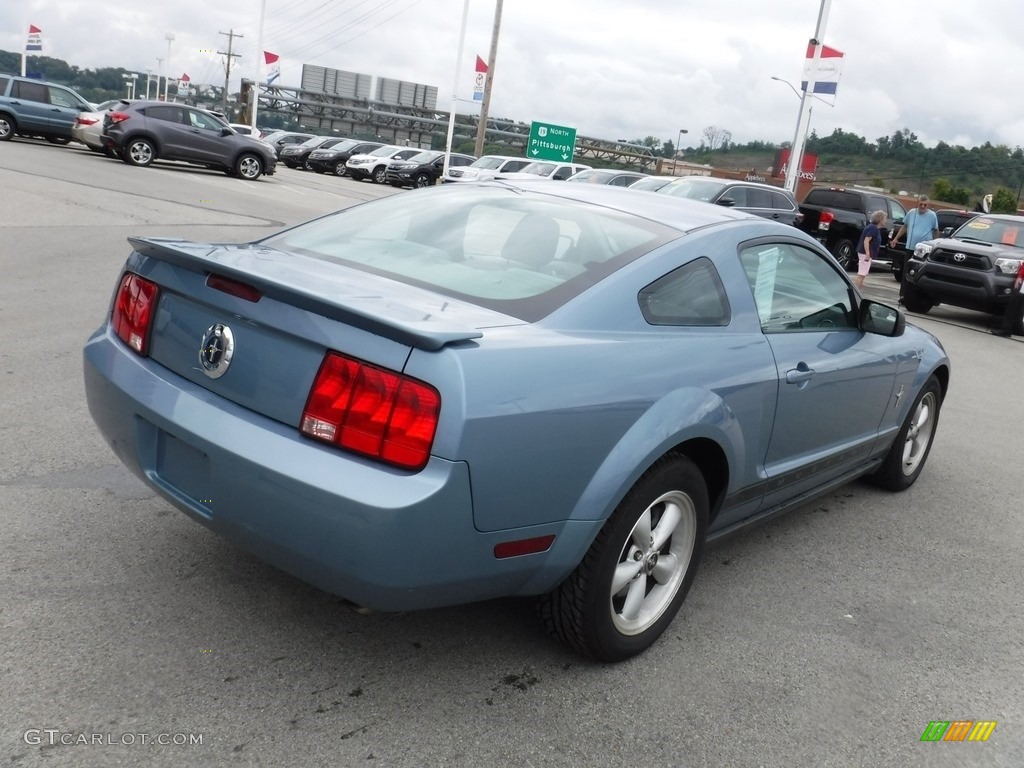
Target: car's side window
[31,91]
[693,294]
[62,98]
[896,212]
[738,195]
[167,114]
[781,202]
[3,85]
[796,289]
[759,198]
[205,122]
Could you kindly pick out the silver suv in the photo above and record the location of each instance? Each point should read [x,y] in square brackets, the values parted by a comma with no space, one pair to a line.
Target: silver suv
[143,131]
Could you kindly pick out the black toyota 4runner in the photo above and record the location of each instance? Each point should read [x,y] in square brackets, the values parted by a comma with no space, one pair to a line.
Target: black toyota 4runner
[974,268]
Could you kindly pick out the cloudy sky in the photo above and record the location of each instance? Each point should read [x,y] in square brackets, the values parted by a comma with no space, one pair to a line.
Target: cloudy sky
[946,69]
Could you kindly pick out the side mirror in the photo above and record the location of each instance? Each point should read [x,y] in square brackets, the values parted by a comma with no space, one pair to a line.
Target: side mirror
[226,132]
[882,319]
[947,231]
[726,202]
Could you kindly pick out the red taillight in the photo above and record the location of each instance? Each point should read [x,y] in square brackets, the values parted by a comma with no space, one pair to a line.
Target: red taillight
[118,117]
[372,411]
[133,309]
[825,219]
[86,120]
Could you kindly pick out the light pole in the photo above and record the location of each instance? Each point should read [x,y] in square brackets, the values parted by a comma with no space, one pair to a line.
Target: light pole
[792,149]
[679,140]
[127,86]
[149,82]
[159,72]
[169,37]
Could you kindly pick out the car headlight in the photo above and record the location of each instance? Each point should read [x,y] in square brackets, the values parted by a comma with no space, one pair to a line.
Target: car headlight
[1008,266]
[922,249]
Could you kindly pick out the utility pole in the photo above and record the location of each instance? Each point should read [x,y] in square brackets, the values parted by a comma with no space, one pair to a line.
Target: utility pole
[230,35]
[491,57]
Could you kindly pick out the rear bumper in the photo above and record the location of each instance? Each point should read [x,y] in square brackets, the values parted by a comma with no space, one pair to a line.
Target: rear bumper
[385,539]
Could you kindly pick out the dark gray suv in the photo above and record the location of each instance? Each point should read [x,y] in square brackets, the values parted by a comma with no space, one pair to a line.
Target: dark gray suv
[140,132]
[764,200]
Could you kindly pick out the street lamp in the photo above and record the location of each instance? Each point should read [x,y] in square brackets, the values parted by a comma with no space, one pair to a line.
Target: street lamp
[159,74]
[679,140]
[149,82]
[169,37]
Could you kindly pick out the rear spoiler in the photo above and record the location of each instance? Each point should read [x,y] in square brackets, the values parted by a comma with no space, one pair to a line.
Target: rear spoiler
[430,332]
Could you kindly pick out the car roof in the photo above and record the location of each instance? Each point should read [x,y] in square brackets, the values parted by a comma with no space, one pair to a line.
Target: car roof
[675,212]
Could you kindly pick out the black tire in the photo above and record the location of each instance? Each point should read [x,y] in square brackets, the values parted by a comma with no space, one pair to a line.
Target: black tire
[340,169]
[915,301]
[846,254]
[650,548]
[380,174]
[909,451]
[248,166]
[306,166]
[62,140]
[8,127]
[139,152]
[422,180]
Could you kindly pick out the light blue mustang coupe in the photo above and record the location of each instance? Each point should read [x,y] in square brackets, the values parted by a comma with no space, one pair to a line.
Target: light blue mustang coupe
[509,388]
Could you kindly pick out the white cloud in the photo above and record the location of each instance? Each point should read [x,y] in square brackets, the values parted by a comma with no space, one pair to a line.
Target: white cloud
[946,70]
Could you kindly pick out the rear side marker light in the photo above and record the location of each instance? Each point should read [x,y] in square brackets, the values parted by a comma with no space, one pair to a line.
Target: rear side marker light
[372,411]
[133,311]
[523,547]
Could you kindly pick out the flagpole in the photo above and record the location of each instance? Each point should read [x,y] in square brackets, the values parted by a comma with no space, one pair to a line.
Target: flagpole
[254,94]
[796,150]
[455,90]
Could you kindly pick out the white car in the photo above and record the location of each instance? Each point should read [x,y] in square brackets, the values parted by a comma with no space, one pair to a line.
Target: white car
[547,169]
[374,165]
[486,168]
[88,127]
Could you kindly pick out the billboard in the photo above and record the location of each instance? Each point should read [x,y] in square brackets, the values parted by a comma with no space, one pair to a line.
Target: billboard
[808,165]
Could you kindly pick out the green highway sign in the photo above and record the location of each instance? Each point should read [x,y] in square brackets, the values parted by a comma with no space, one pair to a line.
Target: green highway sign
[551,142]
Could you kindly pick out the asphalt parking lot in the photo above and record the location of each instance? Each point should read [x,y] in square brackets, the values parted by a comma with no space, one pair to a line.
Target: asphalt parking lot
[133,637]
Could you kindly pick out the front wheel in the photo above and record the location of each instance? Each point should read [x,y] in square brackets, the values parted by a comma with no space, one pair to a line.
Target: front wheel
[139,152]
[339,168]
[380,174]
[845,254]
[7,127]
[248,167]
[421,180]
[915,301]
[909,450]
[630,584]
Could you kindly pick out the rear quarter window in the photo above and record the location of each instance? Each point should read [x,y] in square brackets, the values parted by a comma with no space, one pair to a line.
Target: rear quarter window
[692,295]
[4,81]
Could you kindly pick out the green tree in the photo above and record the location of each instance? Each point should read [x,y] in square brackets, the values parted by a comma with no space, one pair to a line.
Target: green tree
[942,189]
[1003,201]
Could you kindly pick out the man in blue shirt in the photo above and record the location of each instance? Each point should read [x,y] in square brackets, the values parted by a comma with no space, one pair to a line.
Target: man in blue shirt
[920,224]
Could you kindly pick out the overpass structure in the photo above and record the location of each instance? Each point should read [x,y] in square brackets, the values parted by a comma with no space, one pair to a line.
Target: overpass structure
[415,124]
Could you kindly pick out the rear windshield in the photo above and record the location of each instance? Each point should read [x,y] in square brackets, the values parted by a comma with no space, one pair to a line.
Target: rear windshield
[522,254]
[835,198]
[694,189]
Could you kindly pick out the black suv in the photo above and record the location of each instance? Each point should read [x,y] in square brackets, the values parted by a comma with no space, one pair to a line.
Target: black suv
[143,131]
[332,159]
[424,169]
[951,219]
[297,155]
[973,268]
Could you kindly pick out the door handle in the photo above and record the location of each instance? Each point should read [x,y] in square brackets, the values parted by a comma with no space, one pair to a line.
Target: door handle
[799,374]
